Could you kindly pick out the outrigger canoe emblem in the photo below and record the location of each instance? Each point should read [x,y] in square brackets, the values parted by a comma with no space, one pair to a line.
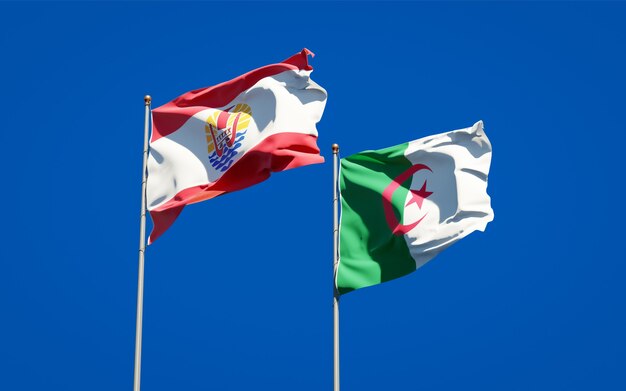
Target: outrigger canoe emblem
[223,126]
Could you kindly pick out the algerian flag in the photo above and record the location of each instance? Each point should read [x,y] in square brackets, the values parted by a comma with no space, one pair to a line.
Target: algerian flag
[403,205]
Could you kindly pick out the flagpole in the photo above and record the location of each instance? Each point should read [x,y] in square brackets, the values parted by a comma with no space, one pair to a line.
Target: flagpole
[335,262]
[142,248]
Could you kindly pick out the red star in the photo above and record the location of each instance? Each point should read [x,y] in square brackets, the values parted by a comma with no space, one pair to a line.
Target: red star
[419,196]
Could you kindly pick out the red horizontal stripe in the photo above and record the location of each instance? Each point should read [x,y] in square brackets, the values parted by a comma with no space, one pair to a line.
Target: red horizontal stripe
[279,152]
[171,116]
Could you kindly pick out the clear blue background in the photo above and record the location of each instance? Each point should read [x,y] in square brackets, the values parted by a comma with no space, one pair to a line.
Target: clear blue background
[238,292]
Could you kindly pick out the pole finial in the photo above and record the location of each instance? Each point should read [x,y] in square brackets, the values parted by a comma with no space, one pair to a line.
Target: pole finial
[335,148]
[147,99]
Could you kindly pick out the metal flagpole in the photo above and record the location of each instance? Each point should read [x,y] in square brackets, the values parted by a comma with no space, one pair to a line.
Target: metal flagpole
[142,249]
[335,261]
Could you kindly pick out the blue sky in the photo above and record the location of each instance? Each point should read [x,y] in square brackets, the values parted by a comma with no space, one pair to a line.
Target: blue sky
[238,292]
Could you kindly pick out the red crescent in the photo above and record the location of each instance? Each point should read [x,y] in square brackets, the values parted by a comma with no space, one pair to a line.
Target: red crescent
[395,226]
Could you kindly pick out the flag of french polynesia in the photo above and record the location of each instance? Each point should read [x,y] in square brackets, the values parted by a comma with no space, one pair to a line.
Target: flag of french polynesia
[232,135]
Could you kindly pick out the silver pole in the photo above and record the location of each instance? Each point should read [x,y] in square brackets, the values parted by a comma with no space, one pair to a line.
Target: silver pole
[142,249]
[335,262]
